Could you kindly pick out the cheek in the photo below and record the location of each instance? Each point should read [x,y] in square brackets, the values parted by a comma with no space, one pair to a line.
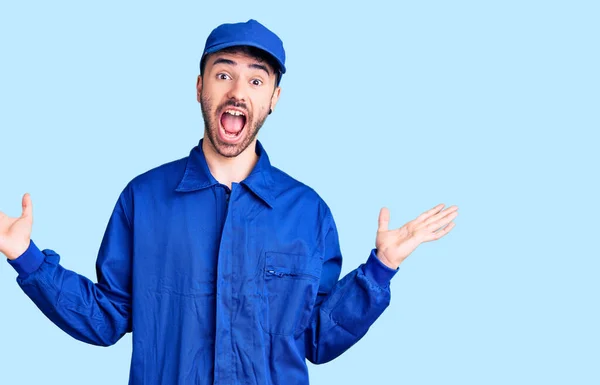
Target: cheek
[214,93]
[262,103]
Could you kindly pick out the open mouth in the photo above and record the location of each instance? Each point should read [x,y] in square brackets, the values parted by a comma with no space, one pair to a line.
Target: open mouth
[233,122]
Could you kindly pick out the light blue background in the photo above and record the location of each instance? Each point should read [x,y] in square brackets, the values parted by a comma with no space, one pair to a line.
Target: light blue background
[492,106]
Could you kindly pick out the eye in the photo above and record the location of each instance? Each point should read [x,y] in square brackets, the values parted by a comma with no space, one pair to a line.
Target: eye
[223,76]
[256,82]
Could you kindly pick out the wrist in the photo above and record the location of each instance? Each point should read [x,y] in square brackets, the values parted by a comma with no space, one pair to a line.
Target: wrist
[15,252]
[377,271]
[381,256]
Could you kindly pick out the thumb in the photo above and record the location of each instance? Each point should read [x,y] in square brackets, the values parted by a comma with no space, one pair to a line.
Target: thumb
[384,219]
[27,207]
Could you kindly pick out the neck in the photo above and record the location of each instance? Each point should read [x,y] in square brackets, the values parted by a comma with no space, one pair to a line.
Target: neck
[228,170]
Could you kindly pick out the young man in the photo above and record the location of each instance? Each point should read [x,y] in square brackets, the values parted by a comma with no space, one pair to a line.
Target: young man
[224,267]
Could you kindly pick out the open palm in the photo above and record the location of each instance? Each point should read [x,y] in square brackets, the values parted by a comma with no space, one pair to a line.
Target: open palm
[394,246]
[15,233]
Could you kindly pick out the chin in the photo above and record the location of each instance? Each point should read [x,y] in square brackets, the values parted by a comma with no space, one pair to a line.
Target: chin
[229,150]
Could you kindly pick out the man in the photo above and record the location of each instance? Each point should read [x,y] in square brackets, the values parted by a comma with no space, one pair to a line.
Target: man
[224,267]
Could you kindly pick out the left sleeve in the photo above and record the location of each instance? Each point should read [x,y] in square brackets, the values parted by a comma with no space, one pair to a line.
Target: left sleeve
[344,310]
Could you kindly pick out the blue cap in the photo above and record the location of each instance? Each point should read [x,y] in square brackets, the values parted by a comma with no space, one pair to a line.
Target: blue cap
[250,33]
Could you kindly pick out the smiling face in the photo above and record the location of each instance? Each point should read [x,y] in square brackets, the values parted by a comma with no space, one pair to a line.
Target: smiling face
[236,92]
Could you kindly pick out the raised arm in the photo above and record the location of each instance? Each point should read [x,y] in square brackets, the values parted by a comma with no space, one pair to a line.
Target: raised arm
[96,313]
[346,309]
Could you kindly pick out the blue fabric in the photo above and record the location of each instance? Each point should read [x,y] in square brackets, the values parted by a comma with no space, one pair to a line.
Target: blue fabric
[29,261]
[217,290]
[251,33]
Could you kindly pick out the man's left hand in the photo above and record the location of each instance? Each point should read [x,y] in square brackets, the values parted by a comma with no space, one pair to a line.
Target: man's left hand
[394,246]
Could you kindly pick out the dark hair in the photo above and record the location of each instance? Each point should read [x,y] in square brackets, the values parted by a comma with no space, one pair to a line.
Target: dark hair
[257,53]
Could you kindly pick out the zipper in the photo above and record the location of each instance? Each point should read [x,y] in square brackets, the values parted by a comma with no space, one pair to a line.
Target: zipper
[288,274]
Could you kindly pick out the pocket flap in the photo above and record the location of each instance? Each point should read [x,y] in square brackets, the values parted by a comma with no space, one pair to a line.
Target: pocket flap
[292,263]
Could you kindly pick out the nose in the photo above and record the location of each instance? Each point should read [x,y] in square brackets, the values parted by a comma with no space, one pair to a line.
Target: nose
[237,91]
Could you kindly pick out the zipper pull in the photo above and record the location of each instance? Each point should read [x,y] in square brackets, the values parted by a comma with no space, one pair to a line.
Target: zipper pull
[275,273]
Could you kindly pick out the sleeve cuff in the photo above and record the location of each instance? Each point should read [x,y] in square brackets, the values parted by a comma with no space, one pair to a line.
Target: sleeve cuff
[377,271]
[29,261]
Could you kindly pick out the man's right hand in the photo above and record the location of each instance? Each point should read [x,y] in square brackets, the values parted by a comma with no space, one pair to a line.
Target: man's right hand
[15,233]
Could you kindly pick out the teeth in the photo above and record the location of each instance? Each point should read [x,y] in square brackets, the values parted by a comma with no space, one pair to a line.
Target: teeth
[235,113]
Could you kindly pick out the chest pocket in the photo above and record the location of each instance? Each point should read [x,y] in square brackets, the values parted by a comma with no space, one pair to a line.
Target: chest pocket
[290,288]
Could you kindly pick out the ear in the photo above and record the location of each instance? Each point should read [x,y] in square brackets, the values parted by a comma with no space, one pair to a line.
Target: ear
[275,98]
[198,88]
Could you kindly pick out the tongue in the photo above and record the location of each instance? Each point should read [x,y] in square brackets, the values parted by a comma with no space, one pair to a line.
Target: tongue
[232,123]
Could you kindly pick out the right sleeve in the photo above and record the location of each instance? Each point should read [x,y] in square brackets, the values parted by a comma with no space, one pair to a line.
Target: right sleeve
[95,313]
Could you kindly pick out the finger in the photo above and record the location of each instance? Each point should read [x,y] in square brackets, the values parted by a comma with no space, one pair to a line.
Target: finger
[437,230]
[384,219]
[435,226]
[429,213]
[27,207]
[442,214]
[437,235]
[444,231]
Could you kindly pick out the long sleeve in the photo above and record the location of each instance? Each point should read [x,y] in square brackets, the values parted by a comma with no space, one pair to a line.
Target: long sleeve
[345,309]
[95,313]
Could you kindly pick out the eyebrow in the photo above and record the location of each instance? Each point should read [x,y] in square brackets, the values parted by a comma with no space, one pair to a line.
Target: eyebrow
[232,63]
[260,67]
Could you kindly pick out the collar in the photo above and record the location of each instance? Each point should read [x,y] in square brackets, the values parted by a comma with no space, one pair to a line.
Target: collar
[197,175]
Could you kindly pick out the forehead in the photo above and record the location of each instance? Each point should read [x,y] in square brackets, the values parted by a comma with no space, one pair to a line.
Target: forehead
[238,59]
